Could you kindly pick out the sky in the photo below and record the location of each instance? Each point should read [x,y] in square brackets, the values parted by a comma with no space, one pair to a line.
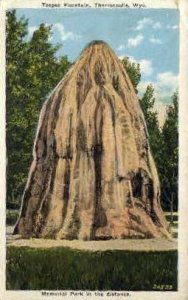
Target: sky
[149,37]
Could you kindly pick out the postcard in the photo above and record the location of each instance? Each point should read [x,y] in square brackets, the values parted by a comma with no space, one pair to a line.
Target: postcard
[93,146]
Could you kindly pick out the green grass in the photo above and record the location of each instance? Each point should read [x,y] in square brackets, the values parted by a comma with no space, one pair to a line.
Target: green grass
[68,269]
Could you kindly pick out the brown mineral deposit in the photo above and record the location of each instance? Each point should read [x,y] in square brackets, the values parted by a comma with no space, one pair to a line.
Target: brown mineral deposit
[93,175]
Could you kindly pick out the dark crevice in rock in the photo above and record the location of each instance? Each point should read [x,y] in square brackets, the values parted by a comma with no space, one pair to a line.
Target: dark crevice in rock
[136,183]
[69,150]
[66,190]
[84,85]
[82,140]
[99,74]
[74,226]
[45,209]
[115,82]
[97,152]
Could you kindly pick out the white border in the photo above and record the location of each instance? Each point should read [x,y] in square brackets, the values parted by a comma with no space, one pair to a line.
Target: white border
[2,153]
[183,142]
[38,4]
[183,150]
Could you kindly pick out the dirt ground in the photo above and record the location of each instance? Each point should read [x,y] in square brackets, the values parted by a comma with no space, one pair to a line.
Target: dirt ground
[127,244]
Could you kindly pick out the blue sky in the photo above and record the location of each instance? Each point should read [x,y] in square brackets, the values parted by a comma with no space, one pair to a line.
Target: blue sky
[148,36]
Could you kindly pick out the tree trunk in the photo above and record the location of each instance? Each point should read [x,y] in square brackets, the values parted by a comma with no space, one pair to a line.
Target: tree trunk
[171,208]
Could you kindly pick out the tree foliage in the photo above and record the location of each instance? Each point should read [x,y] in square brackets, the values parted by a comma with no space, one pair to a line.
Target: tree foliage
[169,170]
[133,70]
[32,71]
[151,116]
[163,141]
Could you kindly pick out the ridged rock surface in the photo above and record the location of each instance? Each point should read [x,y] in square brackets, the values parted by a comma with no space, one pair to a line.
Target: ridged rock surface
[93,175]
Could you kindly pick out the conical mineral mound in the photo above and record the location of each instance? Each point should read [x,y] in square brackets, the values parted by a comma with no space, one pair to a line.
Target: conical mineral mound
[93,175]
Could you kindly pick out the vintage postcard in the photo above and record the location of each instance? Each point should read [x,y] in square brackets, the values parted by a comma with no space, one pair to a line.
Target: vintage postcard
[93,144]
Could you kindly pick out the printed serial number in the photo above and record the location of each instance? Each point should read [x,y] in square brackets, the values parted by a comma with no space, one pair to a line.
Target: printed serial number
[162,287]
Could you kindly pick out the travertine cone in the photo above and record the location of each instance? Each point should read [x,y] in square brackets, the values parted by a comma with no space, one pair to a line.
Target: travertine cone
[92,175]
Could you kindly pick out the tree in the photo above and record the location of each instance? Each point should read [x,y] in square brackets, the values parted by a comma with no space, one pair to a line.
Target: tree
[163,142]
[16,30]
[147,104]
[32,71]
[169,169]
[133,70]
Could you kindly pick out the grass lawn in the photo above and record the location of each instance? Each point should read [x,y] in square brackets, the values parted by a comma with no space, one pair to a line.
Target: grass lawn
[69,269]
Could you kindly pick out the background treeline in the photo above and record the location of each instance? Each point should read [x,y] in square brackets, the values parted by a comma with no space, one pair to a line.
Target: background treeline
[33,70]
[163,141]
